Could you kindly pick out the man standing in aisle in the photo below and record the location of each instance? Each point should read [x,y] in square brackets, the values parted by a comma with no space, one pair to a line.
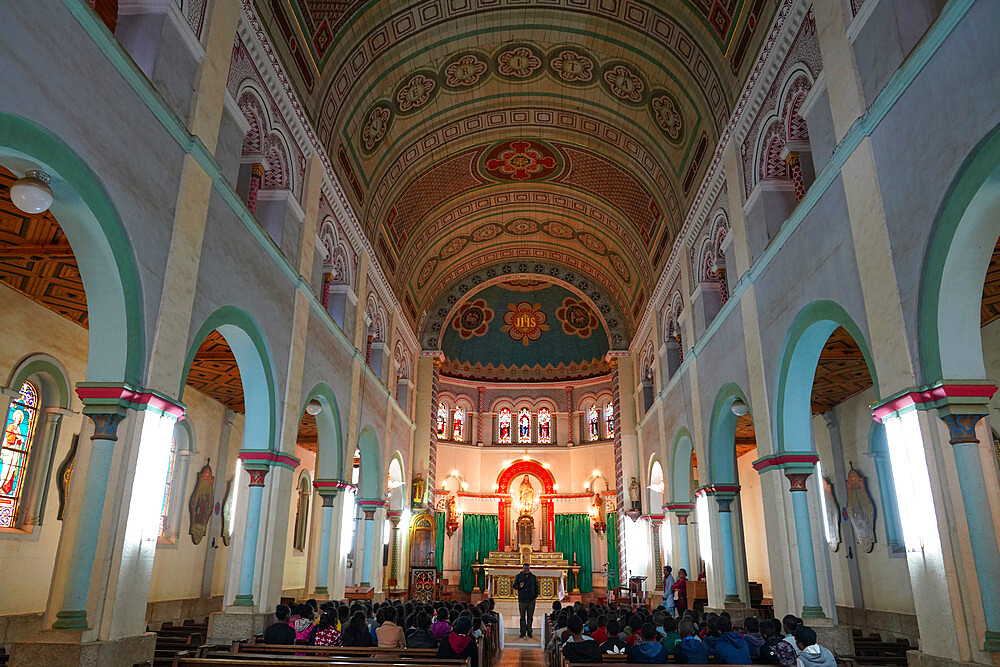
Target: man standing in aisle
[526,585]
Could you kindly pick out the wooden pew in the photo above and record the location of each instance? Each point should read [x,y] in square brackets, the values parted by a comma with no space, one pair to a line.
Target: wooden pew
[255,658]
[187,659]
[348,651]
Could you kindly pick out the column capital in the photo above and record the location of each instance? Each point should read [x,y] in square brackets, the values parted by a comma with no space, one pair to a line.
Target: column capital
[100,397]
[257,475]
[394,516]
[718,490]
[679,508]
[331,487]
[962,427]
[655,520]
[105,424]
[797,480]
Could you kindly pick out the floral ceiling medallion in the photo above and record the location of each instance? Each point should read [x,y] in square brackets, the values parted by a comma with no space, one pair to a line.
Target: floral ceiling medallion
[466,71]
[668,116]
[576,318]
[473,319]
[524,322]
[520,160]
[624,83]
[376,126]
[572,67]
[416,92]
[519,62]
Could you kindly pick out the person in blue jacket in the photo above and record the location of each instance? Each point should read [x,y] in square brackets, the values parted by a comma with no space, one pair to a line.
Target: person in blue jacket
[648,650]
[690,649]
[729,647]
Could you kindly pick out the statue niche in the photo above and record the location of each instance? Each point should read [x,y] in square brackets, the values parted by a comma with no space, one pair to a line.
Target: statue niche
[525,525]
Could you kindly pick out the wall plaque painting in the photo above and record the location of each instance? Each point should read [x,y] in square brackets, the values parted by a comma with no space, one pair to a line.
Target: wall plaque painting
[861,510]
[227,513]
[201,503]
[65,476]
[832,515]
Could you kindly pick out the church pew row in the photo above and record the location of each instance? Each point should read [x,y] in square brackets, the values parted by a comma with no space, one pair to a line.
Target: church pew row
[349,651]
[254,658]
[189,659]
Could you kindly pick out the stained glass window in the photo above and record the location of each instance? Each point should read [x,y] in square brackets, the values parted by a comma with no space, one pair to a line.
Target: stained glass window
[524,425]
[609,419]
[165,506]
[544,426]
[593,423]
[458,424]
[18,435]
[442,421]
[503,425]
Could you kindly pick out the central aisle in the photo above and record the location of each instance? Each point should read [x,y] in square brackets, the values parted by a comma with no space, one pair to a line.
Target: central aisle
[514,656]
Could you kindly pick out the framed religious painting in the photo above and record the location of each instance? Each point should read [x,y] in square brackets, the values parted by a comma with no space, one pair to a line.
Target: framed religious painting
[201,503]
[861,510]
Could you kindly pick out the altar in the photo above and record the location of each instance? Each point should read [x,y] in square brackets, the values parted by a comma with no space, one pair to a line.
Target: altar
[501,567]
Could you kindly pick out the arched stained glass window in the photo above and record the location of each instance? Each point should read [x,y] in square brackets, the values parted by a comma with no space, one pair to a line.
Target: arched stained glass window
[523,425]
[503,426]
[458,424]
[593,423]
[301,515]
[544,426]
[167,483]
[18,435]
[609,419]
[442,421]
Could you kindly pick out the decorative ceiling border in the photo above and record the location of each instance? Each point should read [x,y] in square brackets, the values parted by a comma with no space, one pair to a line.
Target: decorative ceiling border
[251,31]
[784,27]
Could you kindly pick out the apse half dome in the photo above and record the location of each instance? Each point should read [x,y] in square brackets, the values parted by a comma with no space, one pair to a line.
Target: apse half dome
[525,331]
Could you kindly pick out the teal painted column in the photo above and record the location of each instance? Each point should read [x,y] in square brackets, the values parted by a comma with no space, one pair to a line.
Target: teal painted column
[244,592]
[73,615]
[366,563]
[682,539]
[326,523]
[811,607]
[978,514]
[728,555]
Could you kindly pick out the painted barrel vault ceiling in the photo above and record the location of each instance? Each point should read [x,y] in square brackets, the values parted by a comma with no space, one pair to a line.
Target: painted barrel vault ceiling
[473,133]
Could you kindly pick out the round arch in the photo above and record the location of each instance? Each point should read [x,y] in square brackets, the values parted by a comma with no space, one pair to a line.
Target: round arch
[722,436]
[396,473]
[102,249]
[655,499]
[330,449]
[680,470]
[253,357]
[803,344]
[958,254]
[370,481]
[508,475]
[59,389]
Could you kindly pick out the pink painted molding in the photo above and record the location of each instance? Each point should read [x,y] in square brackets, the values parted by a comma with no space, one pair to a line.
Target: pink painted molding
[269,459]
[785,461]
[126,396]
[372,504]
[333,485]
[717,489]
[679,507]
[936,395]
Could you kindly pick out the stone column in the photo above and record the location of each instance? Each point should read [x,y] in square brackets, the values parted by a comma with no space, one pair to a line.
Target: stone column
[480,391]
[369,507]
[327,496]
[655,521]
[35,491]
[619,475]
[965,445]
[394,517]
[73,615]
[682,511]
[244,594]
[436,359]
[797,477]
[725,502]
[256,179]
[795,172]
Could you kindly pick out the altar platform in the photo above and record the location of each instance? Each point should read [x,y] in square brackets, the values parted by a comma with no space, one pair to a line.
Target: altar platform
[501,567]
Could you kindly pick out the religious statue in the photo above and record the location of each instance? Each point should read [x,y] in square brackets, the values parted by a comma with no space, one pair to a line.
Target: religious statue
[451,515]
[633,494]
[526,497]
[600,514]
[201,503]
[418,491]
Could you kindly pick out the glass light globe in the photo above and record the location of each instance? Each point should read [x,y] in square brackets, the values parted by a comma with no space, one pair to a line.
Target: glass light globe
[314,407]
[740,408]
[32,193]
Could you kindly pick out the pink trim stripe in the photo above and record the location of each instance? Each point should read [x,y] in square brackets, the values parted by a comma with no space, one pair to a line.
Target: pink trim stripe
[934,394]
[679,507]
[125,393]
[784,459]
[269,458]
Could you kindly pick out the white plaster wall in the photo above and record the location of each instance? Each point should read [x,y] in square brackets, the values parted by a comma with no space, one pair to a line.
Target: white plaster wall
[885,580]
[294,576]
[752,507]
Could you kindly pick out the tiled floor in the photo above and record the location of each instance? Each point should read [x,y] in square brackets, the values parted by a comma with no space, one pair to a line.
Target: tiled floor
[514,656]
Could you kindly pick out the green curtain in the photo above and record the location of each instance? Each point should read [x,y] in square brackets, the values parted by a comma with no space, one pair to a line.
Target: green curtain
[439,549]
[573,535]
[612,537]
[479,535]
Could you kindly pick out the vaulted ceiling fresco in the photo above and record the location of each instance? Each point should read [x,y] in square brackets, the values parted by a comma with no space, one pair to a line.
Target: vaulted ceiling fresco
[468,133]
